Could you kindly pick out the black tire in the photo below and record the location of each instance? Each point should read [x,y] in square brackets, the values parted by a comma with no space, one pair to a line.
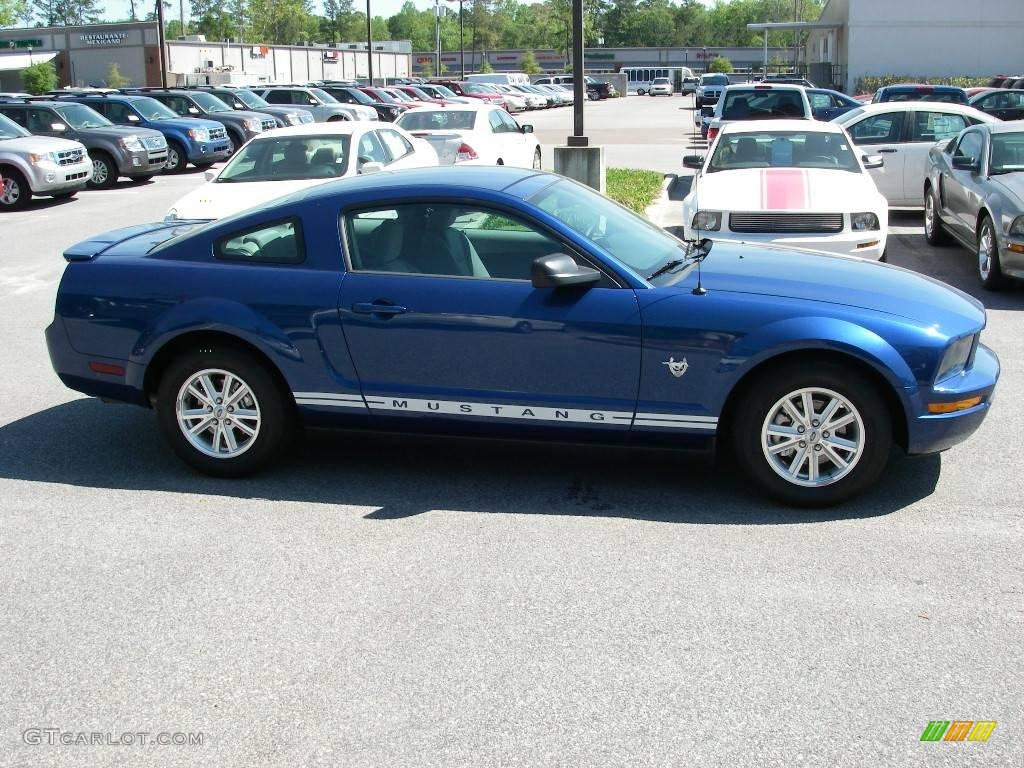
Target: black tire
[203,166]
[537,162]
[234,142]
[104,170]
[640,91]
[65,195]
[934,230]
[697,102]
[992,277]
[275,419]
[884,258]
[141,179]
[177,158]
[16,192]
[761,401]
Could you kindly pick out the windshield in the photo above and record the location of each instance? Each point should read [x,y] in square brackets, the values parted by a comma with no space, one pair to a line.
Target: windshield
[419,93]
[288,158]
[386,97]
[473,88]
[714,80]
[153,110]
[446,91]
[323,95]
[358,95]
[629,238]
[762,104]
[210,103]
[401,95]
[437,120]
[79,116]
[847,117]
[1007,153]
[11,130]
[783,149]
[661,81]
[250,99]
[946,97]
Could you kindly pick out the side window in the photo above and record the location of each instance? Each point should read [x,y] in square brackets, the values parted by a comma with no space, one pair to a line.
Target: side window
[396,144]
[446,240]
[971,145]
[371,150]
[497,124]
[511,126]
[40,120]
[277,243]
[820,100]
[936,126]
[114,112]
[17,115]
[278,97]
[878,129]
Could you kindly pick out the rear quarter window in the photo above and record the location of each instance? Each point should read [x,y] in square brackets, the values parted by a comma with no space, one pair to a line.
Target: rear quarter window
[279,242]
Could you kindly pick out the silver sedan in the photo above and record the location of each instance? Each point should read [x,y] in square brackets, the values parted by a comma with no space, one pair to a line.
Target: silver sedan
[974,194]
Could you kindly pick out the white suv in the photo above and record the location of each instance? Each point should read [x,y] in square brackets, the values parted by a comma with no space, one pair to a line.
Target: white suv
[38,165]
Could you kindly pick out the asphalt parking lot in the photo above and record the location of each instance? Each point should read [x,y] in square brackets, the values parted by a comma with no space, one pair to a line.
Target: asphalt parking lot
[412,602]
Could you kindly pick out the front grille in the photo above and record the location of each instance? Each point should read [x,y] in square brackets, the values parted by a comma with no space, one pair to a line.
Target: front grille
[76,176]
[217,134]
[70,157]
[786,222]
[269,125]
[154,142]
[157,159]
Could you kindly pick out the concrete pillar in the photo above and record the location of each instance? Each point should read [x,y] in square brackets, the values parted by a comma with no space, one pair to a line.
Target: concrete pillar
[584,164]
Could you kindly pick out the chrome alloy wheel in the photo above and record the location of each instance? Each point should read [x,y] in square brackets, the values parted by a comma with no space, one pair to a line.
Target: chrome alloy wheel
[986,249]
[929,215]
[172,158]
[100,173]
[218,413]
[813,437]
[11,191]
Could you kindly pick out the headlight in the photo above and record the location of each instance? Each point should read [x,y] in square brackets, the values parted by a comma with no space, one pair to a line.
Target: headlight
[1017,227]
[956,357]
[172,215]
[132,144]
[860,222]
[708,221]
[47,158]
[199,134]
[292,118]
[306,117]
[253,125]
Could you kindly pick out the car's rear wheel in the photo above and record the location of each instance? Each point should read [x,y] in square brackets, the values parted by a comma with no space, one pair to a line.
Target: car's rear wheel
[990,270]
[16,193]
[537,159]
[222,412]
[812,435]
[104,170]
[640,91]
[934,231]
[177,159]
[234,142]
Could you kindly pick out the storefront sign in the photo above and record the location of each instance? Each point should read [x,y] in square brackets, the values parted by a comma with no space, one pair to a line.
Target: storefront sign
[20,44]
[104,38]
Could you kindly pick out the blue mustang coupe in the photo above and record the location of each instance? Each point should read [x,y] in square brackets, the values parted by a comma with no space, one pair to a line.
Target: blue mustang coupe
[512,302]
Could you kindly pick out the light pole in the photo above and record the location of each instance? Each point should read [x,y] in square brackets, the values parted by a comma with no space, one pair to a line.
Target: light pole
[578,138]
[30,55]
[369,41]
[462,45]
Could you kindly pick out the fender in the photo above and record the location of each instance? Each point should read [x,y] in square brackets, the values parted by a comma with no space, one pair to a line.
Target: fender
[220,315]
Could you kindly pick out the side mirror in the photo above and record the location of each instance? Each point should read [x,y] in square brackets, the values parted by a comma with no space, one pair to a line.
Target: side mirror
[371,167]
[693,161]
[209,175]
[526,128]
[962,163]
[133,119]
[313,102]
[872,161]
[559,269]
[58,127]
[193,111]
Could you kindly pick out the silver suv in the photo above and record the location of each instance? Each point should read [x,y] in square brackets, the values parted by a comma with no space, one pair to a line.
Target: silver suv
[325,108]
[38,165]
[709,88]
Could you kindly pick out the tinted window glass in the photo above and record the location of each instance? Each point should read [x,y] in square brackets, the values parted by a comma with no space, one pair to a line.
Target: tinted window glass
[396,144]
[878,129]
[936,126]
[1007,153]
[783,149]
[277,243]
[971,145]
[278,97]
[762,105]
[288,157]
[431,120]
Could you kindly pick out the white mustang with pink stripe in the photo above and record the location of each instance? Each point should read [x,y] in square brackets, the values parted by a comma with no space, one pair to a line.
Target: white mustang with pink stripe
[798,183]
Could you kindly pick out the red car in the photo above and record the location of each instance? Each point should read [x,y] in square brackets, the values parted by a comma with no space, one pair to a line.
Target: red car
[472,91]
[381,94]
[419,95]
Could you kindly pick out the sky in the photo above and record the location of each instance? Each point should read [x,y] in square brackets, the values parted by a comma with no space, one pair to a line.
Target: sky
[118,9]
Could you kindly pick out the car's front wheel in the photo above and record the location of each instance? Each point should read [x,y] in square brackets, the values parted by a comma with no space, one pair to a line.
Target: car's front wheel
[177,159]
[990,270]
[222,412]
[934,231]
[14,191]
[812,435]
[104,170]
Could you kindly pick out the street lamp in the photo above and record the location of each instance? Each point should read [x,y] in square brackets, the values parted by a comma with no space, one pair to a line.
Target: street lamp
[462,45]
[369,41]
[30,55]
[578,138]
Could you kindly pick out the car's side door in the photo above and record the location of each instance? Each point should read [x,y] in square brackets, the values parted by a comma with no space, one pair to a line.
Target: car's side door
[403,154]
[370,150]
[960,189]
[433,334]
[927,126]
[882,133]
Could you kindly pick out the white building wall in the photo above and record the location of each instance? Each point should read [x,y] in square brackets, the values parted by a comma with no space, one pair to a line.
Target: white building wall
[933,38]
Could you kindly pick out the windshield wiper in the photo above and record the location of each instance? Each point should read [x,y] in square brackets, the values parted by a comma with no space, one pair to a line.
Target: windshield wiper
[696,252]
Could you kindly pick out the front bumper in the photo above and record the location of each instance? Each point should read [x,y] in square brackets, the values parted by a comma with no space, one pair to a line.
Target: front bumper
[842,243]
[209,151]
[143,162]
[54,179]
[931,433]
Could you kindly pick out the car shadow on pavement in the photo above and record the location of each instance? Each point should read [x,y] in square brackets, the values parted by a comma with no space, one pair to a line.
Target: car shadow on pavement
[90,444]
[952,264]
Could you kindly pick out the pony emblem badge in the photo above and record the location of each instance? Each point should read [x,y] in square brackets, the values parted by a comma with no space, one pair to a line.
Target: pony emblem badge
[676,367]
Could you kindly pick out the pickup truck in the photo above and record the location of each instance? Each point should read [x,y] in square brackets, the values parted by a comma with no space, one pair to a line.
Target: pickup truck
[38,165]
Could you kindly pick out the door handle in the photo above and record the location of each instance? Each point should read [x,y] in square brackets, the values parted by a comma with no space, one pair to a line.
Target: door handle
[887,151]
[378,307]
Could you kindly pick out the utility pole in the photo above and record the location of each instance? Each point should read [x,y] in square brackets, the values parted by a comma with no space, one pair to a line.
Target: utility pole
[579,86]
[369,40]
[161,42]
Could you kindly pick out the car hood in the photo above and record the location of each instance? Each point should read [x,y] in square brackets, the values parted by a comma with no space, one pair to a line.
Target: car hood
[842,280]
[121,132]
[186,123]
[1013,183]
[788,189]
[39,144]
[215,201]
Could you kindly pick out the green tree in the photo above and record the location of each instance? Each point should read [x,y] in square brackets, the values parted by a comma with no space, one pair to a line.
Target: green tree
[281,22]
[529,64]
[39,78]
[427,69]
[485,67]
[11,11]
[211,18]
[338,14]
[114,78]
[68,13]
[720,64]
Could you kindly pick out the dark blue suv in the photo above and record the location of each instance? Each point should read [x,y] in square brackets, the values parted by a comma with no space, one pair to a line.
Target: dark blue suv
[949,94]
[189,139]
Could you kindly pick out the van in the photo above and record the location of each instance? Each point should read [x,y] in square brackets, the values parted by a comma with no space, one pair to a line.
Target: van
[505,78]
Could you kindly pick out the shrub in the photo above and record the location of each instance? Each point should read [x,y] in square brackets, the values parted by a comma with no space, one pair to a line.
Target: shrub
[720,64]
[872,83]
[39,78]
[114,78]
[485,67]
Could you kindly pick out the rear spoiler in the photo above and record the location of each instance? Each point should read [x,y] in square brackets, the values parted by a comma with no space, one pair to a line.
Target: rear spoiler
[86,250]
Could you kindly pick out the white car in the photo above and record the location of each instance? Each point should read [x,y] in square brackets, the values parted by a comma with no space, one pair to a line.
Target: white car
[285,160]
[489,134]
[514,100]
[759,101]
[661,86]
[798,183]
[903,132]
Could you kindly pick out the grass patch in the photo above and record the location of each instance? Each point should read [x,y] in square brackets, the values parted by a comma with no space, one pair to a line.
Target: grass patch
[634,189]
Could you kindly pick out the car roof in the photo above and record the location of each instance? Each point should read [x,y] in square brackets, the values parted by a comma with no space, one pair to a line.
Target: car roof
[930,106]
[765,87]
[801,126]
[486,178]
[916,86]
[339,128]
[1003,126]
[482,107]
